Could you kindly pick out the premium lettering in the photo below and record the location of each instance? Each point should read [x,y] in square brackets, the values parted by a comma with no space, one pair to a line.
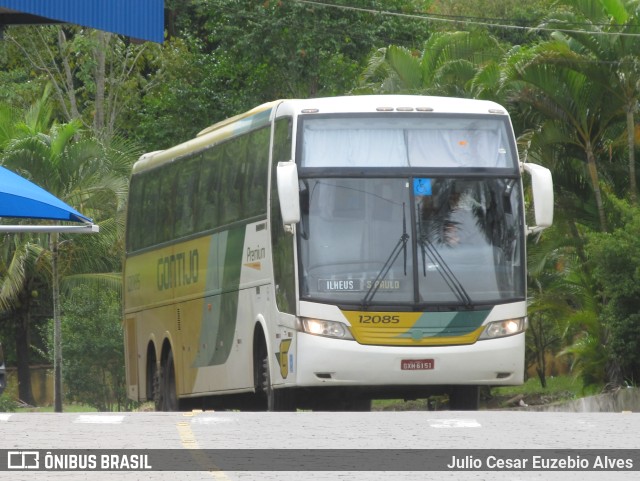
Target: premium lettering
[256,254]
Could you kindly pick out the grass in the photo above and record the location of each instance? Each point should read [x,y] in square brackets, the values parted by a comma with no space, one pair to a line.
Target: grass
[532,386]
[66,408]
[8,403]
[559,388]
[433,403]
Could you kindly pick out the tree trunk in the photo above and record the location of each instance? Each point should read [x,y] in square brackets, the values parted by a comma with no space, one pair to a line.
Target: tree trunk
[536,329]
[631,144]
[540,370]
[22,338]
[57,327]
[595,182]
[68,77]
[100,75]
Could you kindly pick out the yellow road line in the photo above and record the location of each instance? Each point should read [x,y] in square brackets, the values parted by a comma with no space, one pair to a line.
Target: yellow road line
[189,441]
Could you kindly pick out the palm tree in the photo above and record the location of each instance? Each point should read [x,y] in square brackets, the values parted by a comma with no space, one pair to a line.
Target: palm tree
[570,109]
[608,42]
[88,176]
[565,303]
[446,66]
[21,255]
[20,261]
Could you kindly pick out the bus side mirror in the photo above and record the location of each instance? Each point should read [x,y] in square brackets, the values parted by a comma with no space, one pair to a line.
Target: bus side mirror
[288,194]
[542,186]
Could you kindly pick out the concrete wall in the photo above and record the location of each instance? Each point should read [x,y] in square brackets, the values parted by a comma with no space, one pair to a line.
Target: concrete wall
[555,366]
[615,402]
[41,384]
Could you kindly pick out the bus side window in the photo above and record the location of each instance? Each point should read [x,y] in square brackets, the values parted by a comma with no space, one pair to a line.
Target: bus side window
[187,193]
[231,187]
[166,205]
[135,240]
[208,191]
[256,180]
[150,222]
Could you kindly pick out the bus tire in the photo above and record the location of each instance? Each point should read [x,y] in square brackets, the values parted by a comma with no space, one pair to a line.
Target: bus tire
[464,398]
[277,399]
[152,379]
[157,388]
[165,394]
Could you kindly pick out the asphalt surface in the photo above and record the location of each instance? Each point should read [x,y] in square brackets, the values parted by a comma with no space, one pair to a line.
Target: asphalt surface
[322,446]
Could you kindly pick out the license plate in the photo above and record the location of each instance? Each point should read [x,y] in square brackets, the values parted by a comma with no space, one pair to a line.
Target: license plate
[416,364]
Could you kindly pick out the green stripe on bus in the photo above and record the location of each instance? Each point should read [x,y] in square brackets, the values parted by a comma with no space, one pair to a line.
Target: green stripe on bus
[219,322]
[446,324]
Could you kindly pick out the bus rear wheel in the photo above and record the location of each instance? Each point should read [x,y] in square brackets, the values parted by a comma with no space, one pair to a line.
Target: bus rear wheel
[165,394]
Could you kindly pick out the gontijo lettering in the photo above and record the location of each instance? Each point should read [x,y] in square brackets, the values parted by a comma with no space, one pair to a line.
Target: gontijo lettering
[178,269]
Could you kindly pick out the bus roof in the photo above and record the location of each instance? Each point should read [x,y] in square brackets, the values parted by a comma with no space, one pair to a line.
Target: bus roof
[261,115]
[218,132]
[393,103]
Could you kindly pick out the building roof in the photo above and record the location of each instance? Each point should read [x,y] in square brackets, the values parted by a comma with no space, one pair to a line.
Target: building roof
[140,19]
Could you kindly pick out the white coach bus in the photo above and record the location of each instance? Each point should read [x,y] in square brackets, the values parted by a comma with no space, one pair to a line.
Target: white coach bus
[322,253]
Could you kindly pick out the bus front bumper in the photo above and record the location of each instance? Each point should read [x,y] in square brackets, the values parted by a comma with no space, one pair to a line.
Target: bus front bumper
[323,361]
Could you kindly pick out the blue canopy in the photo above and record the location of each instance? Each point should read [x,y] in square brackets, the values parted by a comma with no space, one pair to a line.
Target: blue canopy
[143,19]
[23,199]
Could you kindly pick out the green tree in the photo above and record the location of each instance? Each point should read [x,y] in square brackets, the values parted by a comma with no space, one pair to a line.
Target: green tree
[568,108]
[224,57]
[95,76]
[580,95]
[88,176]
[292,49]
[565,307]
[447,65]
[189,83]
[608,42]
[615,258]
[94,348]
[21,272]
[547,305]
[470,15]
[22,262]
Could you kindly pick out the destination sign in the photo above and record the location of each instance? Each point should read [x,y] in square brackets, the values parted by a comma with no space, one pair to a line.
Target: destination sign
[333,285]
[355,285]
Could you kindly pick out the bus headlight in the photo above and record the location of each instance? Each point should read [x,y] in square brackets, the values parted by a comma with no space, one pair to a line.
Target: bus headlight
[508,327]
[317,327]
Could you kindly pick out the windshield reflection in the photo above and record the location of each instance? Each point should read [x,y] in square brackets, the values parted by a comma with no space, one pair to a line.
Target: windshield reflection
[468,234]
[463,239]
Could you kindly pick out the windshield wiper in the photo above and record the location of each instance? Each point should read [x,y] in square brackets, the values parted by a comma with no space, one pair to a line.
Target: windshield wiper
[428,250]
[441,265]
[400,246]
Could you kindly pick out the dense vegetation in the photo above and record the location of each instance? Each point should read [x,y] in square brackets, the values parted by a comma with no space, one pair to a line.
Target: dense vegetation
[78,106]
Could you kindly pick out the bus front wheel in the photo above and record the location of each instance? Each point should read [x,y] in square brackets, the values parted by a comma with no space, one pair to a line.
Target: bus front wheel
[276,399]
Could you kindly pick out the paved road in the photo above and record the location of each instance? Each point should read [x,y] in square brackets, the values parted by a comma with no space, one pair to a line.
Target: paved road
[493,430]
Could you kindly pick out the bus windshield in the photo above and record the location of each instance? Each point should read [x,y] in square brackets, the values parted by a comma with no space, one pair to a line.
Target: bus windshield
[411,241]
